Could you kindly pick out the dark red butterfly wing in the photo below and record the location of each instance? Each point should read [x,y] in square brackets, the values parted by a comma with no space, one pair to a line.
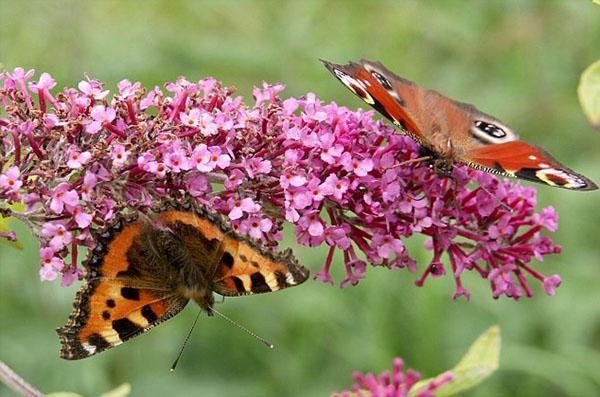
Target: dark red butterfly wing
[526,161]
[439,123]
[376,90]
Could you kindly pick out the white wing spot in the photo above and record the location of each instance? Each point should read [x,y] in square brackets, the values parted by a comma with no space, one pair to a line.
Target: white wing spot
[356,86]
[88,348]
[290,279]
[532,157]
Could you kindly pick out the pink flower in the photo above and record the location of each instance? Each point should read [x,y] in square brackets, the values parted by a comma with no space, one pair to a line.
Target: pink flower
[551,283]
[71,274]
[335,186]
[151,100]
[51,120]
[58,235]
[19,74]
[157,168]
[76,158]
[235,179]
[191,119]
[332,153]
[268,93]
[548,219]
[256,227]
[337,236]
[176,158]
[10,182]
[51,264]
[128,90]
[46,82]
[398,383]
[315,226]
[197,185]
[82,219]
[290,105]
[207,159]
[207,125]
[238,207]
[359,167]
[298,198]
[355,271]
[119,155]
[87,188]
[288,179]
[317,190]
[256,166]
[386,246]
[62,196]
[31,200]
[92,88]
[100,115]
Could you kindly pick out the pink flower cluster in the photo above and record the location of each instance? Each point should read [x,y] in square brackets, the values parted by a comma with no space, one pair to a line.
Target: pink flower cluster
[77,157]
[395,384]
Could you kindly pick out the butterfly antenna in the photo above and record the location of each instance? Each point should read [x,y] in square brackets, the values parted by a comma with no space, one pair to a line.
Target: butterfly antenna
[496,199]
[246,330]
[185,342]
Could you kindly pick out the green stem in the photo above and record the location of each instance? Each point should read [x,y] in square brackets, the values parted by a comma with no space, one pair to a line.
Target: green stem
[18,384]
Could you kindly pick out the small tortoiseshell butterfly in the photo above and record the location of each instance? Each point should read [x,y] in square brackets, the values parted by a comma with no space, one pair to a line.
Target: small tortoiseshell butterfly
[453,132]
[144,270]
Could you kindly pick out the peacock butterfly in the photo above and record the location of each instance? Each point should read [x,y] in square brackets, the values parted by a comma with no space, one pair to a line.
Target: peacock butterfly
[452,132]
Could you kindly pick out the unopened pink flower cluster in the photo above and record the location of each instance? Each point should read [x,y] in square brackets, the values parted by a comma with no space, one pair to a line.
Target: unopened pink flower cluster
[397,383]
[77,157]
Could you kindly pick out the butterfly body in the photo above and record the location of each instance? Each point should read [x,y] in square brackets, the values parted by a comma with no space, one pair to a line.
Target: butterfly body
[144,270]
[451,131]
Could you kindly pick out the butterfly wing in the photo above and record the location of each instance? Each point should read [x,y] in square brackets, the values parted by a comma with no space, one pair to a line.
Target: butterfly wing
[243,266]
[114,304]
[387,93]
[248,268]
[522,160]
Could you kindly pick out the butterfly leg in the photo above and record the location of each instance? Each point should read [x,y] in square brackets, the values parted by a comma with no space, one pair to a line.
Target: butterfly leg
[415,160]
[443,168]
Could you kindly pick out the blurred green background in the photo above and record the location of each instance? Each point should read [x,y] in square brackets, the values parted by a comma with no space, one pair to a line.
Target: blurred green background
[519,60]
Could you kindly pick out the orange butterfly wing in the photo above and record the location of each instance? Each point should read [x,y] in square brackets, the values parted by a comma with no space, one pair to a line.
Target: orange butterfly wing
[113,306]
[246,269]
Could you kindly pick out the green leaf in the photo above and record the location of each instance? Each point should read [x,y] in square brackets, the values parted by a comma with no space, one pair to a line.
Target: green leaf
[589,92]
[5,228]
[122,391]
[481,361]
[596,2]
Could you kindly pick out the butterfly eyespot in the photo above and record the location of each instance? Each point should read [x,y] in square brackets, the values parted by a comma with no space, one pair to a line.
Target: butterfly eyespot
[382,80]
[491,129]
